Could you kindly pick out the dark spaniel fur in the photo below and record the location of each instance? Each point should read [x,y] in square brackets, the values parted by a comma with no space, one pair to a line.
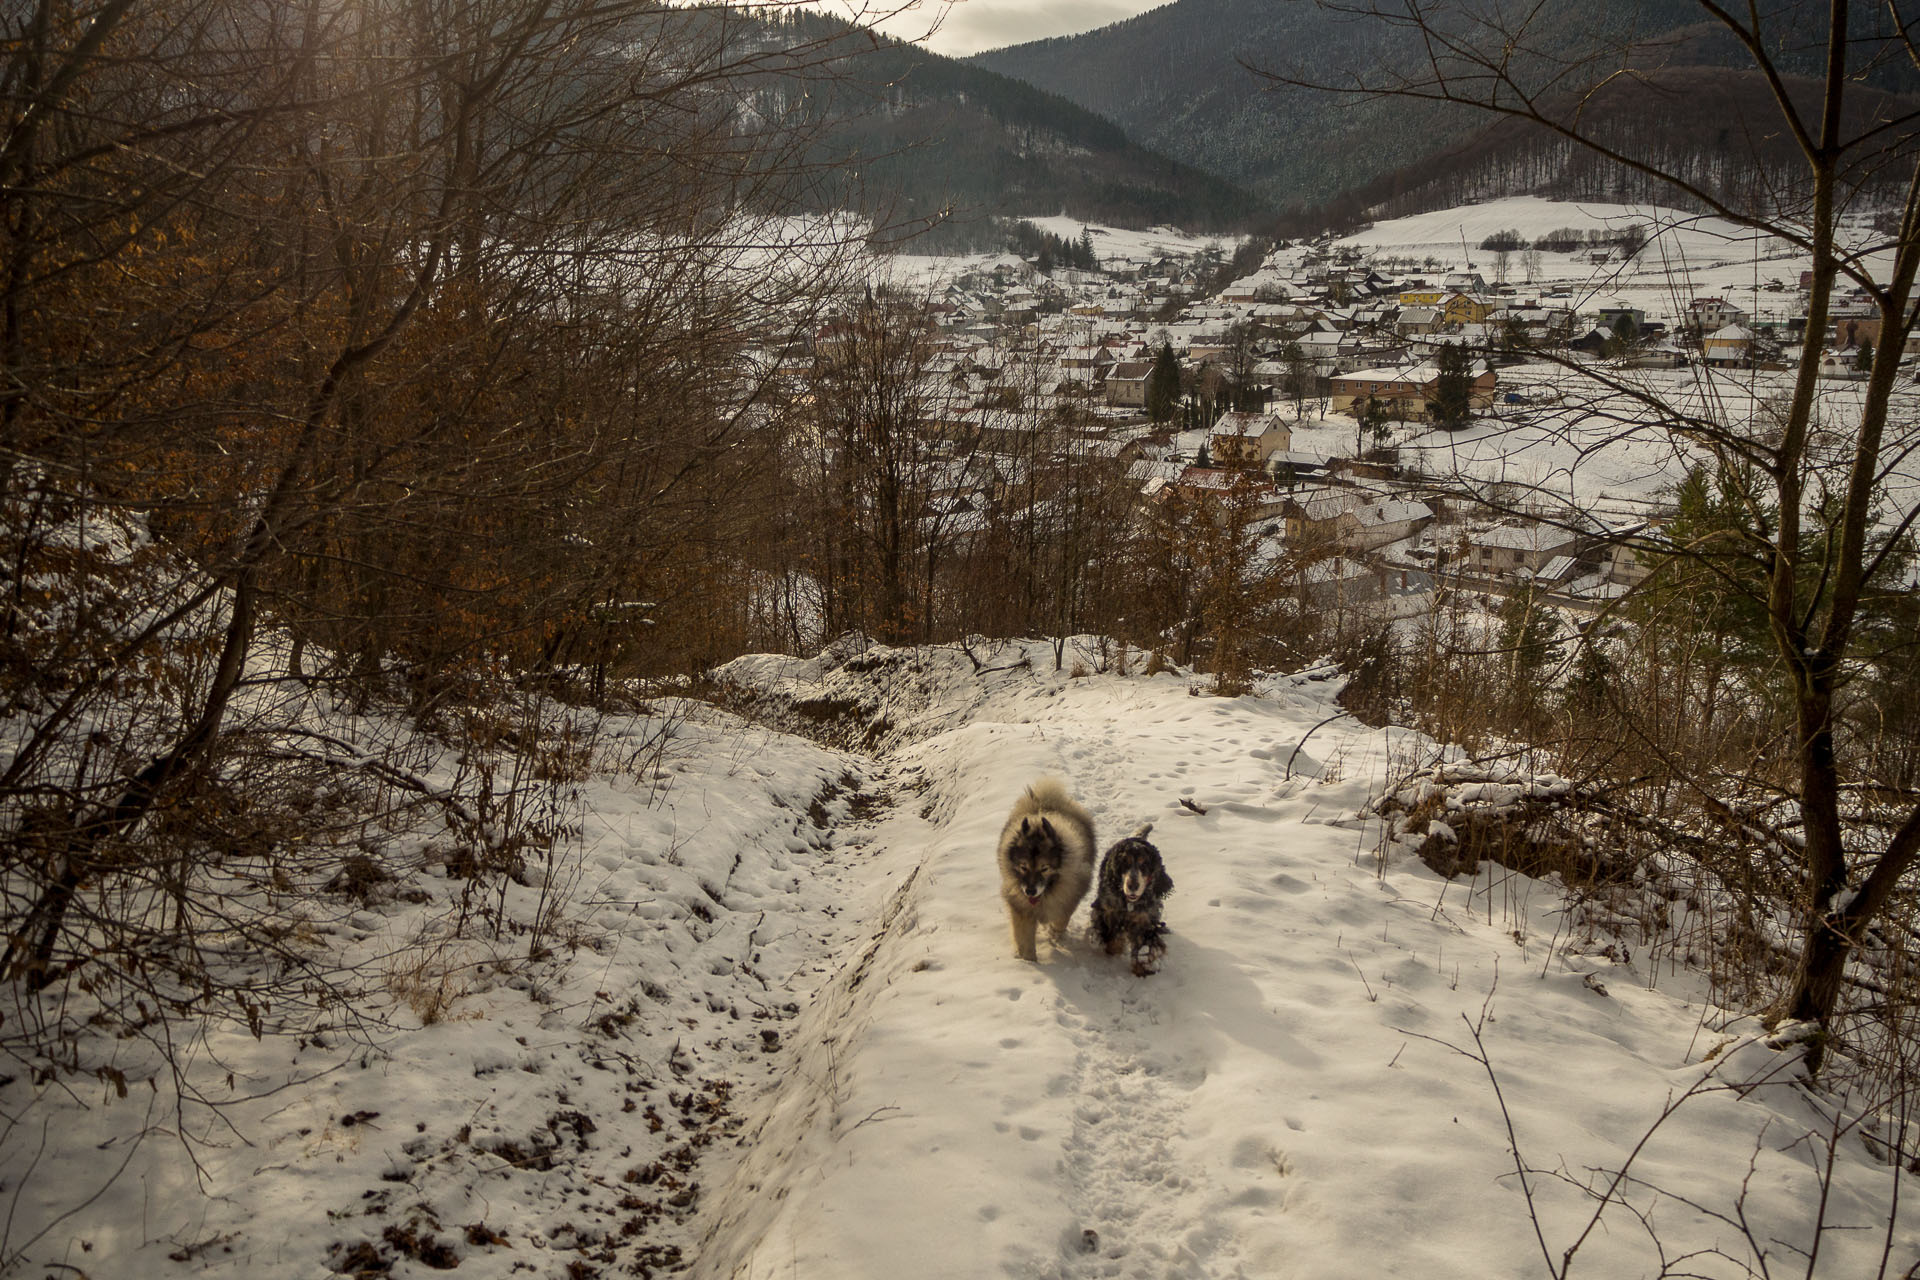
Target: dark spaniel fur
[1126,908]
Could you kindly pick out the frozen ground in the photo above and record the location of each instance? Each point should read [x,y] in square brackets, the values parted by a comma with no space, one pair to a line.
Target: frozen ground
[783,1033]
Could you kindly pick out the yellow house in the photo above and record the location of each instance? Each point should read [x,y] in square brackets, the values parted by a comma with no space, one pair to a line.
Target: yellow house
[1461,308]
[1454,308]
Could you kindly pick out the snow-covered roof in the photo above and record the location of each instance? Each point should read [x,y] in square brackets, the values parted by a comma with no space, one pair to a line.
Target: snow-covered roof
[1145,470]
[1241,423]
[1556,568]
[1379,514]
[1530,537]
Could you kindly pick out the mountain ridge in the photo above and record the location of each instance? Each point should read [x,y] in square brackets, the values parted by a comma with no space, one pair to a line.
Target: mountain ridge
[930,138]
[1180,79]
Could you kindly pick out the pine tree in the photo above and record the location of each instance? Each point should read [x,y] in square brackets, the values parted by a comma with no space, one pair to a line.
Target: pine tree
[1452,403]
[1625,333]
[1163,384]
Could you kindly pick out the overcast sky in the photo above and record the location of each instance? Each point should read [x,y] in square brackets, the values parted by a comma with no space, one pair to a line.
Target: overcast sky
[968,26]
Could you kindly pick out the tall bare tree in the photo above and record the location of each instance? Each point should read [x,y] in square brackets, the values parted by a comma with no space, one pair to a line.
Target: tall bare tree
[415,331]
[1852,148]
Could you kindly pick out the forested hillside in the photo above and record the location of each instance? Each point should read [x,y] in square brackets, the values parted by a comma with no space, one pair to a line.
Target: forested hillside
[919,135]
[1181,79]
[1684,118]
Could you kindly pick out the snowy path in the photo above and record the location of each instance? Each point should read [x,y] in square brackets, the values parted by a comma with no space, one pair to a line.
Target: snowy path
[1268,1105]
[1077,1121]
[786,1038]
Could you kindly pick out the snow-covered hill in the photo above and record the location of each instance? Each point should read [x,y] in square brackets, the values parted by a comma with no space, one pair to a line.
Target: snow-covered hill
[785,1035]
[1686,255]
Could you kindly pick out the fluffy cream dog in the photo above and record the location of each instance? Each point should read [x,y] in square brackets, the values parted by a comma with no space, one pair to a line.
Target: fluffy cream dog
[1046,862]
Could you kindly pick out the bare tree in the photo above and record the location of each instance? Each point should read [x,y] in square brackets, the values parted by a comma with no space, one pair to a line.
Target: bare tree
[414,336]
[1812,554]
[879,470]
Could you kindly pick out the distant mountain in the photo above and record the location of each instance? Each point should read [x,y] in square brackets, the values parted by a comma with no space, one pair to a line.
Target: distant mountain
[1177,79]
[917,134]
[1689,122]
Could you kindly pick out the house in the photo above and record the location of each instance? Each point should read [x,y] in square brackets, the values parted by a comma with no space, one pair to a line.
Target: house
[1214,484]
[1629,558]
[1452,306]
[1312,514]
[1127,384]
[1658,356]
[1462,309]
[1730,345]
[1338,581]
[1405,391]
[1355,520]
[1375,524]
[1248,439]
[1289,468]
[1085,358]
[1593,342]
[1704,315]
[1852,332]
[1611,317]
[1512,550]
[1418,320]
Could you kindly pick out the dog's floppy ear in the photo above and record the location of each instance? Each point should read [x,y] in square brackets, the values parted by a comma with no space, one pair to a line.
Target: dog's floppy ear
[1162,882]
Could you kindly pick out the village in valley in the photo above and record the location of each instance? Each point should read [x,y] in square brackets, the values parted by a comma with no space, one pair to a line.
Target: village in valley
[1312,385]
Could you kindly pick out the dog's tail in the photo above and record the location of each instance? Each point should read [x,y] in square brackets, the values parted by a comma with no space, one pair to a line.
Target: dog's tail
[1048,793]
[1145,830]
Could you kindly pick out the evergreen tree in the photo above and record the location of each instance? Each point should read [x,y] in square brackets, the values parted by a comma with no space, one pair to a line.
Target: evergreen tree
[1529,636]
[1527,647]
[1513,336]
[1863,359]
[1163,384]
[1593,674]
[1452,403]
[1625,334]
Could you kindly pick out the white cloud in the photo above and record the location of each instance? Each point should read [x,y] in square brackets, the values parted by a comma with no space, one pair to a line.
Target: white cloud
[962,27]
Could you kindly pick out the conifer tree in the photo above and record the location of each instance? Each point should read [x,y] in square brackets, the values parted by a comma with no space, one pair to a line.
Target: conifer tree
[1163,384]
[1452,404]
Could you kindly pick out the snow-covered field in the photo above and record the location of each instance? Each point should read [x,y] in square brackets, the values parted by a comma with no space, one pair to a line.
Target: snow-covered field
[784,1033]
[1686,255]
[1111,244]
